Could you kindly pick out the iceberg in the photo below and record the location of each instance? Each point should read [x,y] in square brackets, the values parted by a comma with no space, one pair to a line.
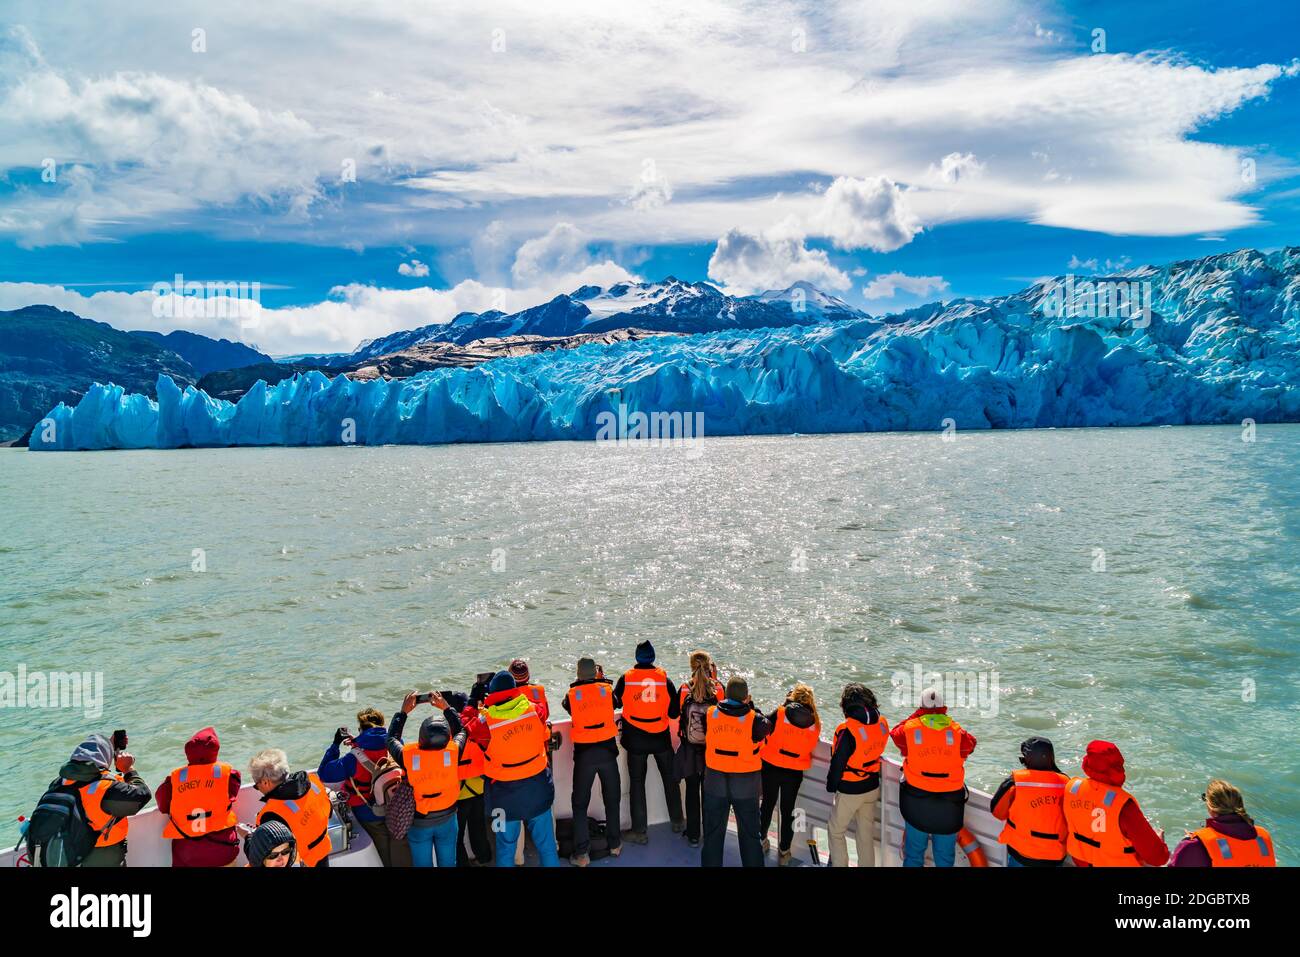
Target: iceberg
[1216,341]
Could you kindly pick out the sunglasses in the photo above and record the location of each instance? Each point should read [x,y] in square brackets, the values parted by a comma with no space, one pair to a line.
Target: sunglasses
[282,852]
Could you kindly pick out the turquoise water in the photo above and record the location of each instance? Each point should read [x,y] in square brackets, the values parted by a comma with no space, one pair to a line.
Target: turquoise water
[826,558]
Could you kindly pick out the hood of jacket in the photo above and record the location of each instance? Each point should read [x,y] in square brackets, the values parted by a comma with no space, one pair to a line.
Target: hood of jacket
[799,715]
[291,788]
[372,739]
[1232,825]
[860,712]
[936,719]
[203,747]
[81,771]
[1103,762]
[511,707]
[736,709]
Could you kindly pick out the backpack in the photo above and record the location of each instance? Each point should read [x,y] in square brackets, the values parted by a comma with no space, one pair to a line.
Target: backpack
[384,774]
[696,713]
[58,833]
[400,811]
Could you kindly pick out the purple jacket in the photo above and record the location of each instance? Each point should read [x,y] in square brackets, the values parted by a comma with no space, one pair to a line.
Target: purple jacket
[1191,852]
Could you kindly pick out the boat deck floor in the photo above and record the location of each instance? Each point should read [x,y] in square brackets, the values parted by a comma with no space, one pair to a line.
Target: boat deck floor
[667,849]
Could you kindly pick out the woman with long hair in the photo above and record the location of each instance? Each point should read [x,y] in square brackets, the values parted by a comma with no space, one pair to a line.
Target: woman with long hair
[1230,838]
[787,754]
[697,693]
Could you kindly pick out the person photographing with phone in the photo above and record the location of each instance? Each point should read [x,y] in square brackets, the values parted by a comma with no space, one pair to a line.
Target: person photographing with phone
[369,754]
[432,765]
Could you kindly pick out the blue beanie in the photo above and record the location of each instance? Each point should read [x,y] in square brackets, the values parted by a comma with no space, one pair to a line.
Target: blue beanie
[501,681]
[645,653]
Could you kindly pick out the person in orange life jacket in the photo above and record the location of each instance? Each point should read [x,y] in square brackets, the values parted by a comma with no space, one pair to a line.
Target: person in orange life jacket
[471,817]
[354,771]
[110,790]
[696,696]
[207,789]
[733,737]
[299,800]
[1091,806]
[932,796]
[271,845]
[1032,802]
[433,769]
[854,775]
[520,788]
[1230,838]
[533,692]
[592,703]
[649,703]
[788,752]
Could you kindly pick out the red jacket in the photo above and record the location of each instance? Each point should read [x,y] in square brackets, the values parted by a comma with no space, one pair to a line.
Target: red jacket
[900,739]
[220,847]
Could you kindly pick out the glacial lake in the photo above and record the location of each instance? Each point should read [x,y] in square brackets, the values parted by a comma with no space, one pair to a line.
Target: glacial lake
[1136,585]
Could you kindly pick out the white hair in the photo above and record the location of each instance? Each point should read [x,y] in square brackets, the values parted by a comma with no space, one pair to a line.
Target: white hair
[269,765]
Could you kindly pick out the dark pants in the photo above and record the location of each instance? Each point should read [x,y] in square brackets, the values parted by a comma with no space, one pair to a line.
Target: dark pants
[471,819]
[716,810]
[782,784]
[694,788]
[589,764]
[636,770]
[392,852]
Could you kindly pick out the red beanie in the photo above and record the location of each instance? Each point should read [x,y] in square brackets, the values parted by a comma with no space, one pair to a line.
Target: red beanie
[1104,763]
[519,671]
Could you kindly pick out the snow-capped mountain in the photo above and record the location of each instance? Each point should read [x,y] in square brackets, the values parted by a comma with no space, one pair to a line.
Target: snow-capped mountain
[672,305]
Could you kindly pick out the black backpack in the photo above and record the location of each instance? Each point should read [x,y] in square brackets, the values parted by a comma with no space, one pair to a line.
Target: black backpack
[58,834]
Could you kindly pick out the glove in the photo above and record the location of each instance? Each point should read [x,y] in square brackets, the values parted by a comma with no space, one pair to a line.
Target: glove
[338,737]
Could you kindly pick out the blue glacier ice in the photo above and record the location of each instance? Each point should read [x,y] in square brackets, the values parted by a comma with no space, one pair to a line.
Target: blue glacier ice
[1221,344]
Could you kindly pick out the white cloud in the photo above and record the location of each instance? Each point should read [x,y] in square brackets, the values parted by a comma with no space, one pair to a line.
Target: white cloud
[563,252]
[748,262]
[955,167]
[414,268]
[871,213]
[447,135]
[891,284]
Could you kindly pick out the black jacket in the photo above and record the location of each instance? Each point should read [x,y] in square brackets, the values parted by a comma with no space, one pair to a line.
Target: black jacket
[843,748]
[458,734]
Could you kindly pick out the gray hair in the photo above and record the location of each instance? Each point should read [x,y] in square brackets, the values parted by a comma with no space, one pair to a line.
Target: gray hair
[269,765]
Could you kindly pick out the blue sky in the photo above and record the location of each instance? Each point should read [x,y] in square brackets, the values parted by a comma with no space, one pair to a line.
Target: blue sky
[891,153]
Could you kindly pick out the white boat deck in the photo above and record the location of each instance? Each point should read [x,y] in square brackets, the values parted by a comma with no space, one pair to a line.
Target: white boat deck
[148,848]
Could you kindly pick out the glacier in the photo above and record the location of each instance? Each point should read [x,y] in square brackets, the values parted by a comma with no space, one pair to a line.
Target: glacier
[1222,345]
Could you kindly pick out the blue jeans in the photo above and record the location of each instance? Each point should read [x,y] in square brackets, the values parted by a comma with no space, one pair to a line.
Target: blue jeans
[440,840]
[540,828]
[1012,862]
[915,841]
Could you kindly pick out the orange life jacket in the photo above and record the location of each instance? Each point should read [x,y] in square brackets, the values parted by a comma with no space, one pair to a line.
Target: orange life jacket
[645,699]
[434,776]
[729,743]
[1035,827]
[308,818]
[517,749]
[108,829]
[1093,834]
[789,746]
[592,708]
[201,802]
[537,695]
[933,761]
[1227,851]
[471,761]
[869,742]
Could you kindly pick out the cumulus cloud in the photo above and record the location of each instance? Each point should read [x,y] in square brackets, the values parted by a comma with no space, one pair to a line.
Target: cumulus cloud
[414,268]
[563,252]
[891,284]
[748,262]
[871,213]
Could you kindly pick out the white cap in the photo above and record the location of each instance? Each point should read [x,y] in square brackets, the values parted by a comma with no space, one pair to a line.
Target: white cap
[931,698]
